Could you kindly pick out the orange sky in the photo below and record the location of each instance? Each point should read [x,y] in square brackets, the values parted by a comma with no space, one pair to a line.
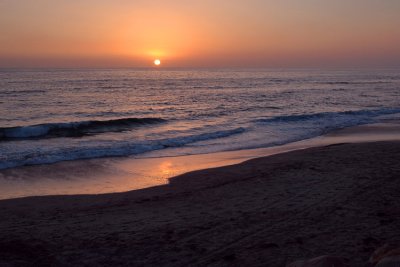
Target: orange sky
[192,33]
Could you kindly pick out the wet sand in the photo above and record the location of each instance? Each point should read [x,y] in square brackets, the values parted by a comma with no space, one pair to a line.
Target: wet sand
[339,199]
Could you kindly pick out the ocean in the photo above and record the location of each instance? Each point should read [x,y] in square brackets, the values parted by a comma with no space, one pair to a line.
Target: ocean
[47,116]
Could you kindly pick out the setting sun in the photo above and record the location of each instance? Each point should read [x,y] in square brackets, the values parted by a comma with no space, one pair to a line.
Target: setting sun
[157,62]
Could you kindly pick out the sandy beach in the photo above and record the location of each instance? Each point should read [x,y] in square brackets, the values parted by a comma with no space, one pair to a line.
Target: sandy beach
[338,199]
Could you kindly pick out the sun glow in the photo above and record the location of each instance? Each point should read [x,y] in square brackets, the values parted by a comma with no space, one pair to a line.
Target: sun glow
[157,62]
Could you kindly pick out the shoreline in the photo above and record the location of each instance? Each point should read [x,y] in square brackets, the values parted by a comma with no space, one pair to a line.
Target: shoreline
[116,175]
[335,199]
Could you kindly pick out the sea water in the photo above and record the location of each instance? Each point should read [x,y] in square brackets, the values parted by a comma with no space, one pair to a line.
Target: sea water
[48,116]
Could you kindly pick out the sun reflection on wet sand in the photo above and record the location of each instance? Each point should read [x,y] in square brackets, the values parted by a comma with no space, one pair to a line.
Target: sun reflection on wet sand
[167,168]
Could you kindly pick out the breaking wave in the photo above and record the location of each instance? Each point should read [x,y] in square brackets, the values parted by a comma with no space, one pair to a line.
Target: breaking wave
[98,150]
[73,129]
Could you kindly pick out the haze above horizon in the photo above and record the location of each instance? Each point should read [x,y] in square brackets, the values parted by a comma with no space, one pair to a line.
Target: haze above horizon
[252,33]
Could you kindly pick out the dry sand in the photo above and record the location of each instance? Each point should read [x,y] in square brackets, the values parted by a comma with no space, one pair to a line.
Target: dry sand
[340,200]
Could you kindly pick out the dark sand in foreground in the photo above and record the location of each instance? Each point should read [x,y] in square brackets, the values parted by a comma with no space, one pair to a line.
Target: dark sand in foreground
[340,199]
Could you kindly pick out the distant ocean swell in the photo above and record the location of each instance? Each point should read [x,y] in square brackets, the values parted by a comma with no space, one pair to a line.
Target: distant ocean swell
[354,117]
[73,129]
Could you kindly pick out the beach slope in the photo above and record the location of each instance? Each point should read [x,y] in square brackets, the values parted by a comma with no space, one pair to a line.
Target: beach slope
[340,200]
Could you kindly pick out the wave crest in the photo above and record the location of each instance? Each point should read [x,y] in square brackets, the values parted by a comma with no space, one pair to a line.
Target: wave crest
[73,129]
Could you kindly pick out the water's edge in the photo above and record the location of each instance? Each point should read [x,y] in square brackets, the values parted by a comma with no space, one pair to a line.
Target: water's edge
[110,175]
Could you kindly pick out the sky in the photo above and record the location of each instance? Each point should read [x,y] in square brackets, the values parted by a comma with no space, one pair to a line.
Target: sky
[193,33]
